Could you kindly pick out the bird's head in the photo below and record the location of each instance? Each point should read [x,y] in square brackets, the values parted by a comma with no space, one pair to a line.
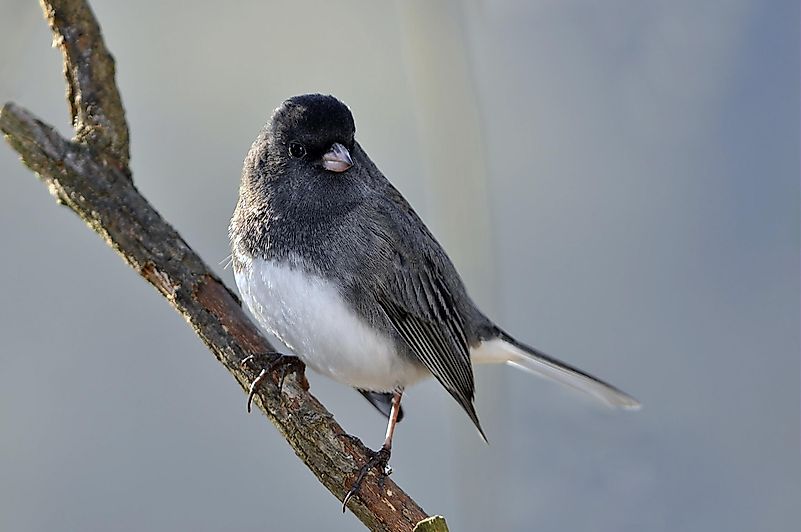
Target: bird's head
[312,133]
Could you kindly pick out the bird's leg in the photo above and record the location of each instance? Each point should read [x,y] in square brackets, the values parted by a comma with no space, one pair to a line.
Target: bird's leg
[381,457]
[275,360]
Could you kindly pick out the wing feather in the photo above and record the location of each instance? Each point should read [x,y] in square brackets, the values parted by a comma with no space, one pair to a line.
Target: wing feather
[421,295]
[435,334]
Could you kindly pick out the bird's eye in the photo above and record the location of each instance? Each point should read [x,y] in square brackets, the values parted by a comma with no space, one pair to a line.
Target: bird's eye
[296,150]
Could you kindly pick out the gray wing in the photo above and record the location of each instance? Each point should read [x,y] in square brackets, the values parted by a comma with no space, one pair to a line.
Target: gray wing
[422,297]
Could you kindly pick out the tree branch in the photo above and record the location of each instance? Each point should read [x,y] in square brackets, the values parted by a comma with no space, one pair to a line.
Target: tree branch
[92,94]
[91,176]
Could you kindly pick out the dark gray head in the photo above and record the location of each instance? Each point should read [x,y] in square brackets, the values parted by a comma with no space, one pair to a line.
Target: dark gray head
[307,149]
[311,134]
[304,167]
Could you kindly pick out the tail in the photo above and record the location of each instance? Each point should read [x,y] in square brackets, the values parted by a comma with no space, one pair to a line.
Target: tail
[505,349]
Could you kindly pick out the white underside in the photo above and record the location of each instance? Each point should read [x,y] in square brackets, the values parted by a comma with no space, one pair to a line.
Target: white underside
[308,314]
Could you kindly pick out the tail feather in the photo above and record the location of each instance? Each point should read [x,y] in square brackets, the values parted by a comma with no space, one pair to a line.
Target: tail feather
[505,349]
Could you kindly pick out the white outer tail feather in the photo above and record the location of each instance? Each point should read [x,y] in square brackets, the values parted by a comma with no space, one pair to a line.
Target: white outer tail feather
[498,351]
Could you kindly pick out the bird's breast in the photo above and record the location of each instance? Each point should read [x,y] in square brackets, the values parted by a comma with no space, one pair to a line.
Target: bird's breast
[310,316]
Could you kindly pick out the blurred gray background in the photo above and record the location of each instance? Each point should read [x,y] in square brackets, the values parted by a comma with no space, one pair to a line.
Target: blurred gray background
[618,183]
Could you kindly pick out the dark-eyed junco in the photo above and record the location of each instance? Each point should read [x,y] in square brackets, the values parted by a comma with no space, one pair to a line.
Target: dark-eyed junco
[330,258]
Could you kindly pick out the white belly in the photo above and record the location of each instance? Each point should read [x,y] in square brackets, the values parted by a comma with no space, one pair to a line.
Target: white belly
[309,315]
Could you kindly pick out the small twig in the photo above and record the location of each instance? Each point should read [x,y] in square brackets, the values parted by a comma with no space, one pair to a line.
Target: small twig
[91,176]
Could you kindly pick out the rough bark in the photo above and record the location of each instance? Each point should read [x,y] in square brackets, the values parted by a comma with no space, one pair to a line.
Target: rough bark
[90,175]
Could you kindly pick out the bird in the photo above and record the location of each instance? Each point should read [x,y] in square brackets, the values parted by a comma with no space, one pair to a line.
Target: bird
[331,259]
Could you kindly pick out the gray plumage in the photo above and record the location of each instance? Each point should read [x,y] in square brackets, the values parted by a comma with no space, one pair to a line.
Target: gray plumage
[356,230]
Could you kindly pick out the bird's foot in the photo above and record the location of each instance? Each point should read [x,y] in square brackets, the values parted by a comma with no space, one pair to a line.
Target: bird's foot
[379,460]
[273,360]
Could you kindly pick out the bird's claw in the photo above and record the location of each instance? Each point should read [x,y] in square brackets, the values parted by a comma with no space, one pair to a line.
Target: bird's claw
[277,359]
[261,359]
[380,461]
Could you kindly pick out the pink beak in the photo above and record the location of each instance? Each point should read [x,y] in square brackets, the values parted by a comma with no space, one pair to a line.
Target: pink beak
[337,159]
